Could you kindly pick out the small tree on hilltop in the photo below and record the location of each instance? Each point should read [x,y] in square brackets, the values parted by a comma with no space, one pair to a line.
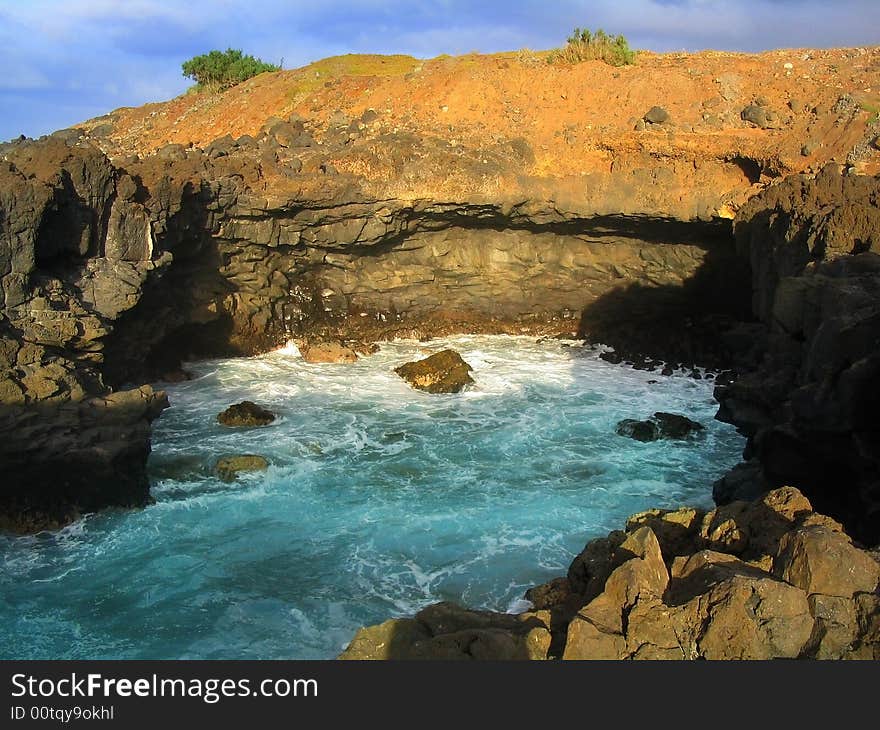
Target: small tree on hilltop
[220,70]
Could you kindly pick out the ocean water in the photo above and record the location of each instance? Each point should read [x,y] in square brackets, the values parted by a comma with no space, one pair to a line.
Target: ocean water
[378,500]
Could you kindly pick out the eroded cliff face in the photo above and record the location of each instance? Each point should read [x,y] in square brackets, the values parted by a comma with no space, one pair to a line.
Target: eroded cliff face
[115,271]
[810,408]
[75,253]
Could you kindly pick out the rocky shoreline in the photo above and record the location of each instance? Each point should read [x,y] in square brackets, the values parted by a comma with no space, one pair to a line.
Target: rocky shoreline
[768,579]
[347,229]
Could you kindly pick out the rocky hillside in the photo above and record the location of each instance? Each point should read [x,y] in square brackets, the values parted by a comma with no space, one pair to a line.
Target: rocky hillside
[729,117]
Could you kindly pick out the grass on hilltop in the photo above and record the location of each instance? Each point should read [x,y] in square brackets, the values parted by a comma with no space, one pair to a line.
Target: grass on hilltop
[315,75]
[584,45]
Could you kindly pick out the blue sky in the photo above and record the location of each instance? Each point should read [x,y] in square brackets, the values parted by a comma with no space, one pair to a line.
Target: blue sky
[64,61]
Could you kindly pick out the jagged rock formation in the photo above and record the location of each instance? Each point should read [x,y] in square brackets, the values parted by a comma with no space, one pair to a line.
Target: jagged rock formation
[810,408]
[68,444]
[749,580]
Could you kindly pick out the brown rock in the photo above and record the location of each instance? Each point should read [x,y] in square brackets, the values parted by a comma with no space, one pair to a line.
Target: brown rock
[787,502]
[326,352]
[443,372]
[652,573]
[591,568]
[553,593]
[818,559]
[676,530]
[657,631]
[835,626]
[753,618]
[724,529]
[246,413]
[393,639]
[446,631]
[587,640]
[867,644]
[229,467]
[754,529]
[597,631]
[698,573]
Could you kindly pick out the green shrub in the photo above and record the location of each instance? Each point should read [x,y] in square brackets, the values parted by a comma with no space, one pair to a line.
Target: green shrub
[584,45]
[220,70]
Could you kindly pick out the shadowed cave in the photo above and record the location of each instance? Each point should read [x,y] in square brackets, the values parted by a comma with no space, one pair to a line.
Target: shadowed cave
[638,283]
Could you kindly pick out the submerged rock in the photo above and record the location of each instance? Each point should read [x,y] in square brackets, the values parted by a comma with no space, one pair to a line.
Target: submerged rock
[660,426]
[246,413]
[229,467]
[443,372]
[638,430]
[326,352]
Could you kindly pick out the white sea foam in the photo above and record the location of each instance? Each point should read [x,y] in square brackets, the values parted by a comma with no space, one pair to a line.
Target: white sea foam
[378,500]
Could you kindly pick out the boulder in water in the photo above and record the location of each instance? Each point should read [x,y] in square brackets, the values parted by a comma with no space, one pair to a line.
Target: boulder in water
[674,426]
[659,426]
[326,352]
[229,467]
[638,430]
[442,372]
[246,413]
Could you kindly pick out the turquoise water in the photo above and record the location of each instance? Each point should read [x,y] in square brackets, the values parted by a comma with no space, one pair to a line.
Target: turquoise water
[379,500]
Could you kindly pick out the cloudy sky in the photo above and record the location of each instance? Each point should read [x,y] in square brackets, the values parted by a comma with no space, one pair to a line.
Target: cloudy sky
[64,61]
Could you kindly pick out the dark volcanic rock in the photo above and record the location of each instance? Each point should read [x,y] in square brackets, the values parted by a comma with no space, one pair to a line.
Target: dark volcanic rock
[172,152]
[745,481]
[245,413]
[638,430]
[221,147]
[659,426]
[442,372]
[52,470]
[112,276]
[675,426]
[809,408]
